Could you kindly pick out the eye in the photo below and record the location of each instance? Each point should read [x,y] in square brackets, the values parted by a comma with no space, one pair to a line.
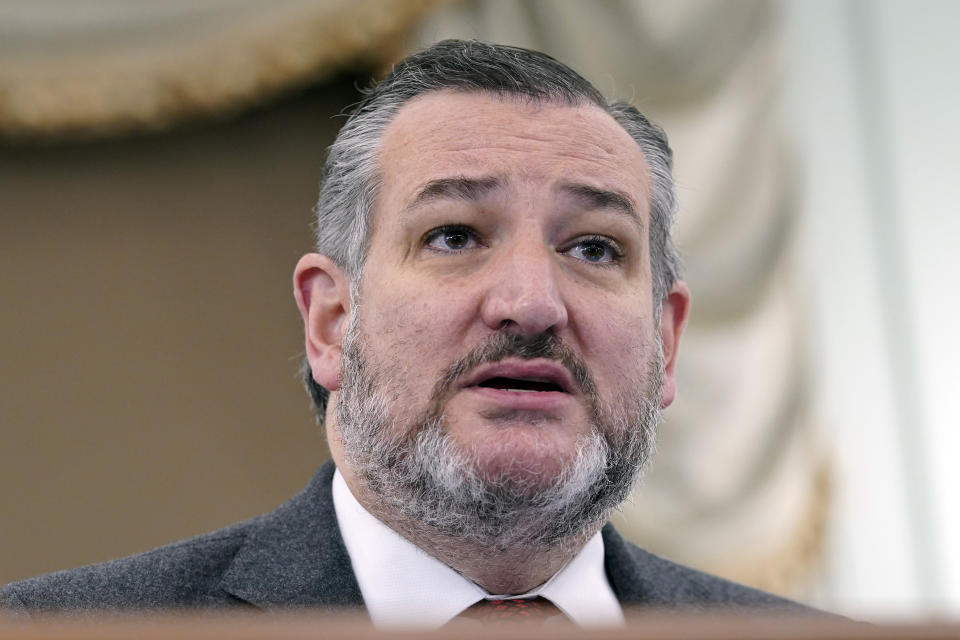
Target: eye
[595,249]
[451,238]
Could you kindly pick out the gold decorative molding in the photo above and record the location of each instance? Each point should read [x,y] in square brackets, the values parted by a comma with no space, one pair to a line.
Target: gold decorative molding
[98,67]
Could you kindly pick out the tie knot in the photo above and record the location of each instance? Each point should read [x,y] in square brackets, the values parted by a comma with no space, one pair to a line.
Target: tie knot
[524,610]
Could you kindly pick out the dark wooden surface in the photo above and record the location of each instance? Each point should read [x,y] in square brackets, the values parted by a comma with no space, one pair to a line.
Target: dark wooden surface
[659,626]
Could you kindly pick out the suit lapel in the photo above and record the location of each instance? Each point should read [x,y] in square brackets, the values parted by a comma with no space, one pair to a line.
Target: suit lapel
[639,577]
[295,556]
[629,578]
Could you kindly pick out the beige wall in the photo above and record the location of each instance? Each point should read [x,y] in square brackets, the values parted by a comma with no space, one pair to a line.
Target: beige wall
[149,343]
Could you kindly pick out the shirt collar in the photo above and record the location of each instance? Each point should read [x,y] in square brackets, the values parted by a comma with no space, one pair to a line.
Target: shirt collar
[403,586]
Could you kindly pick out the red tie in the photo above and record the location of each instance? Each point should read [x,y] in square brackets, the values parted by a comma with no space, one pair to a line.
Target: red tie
[533,611]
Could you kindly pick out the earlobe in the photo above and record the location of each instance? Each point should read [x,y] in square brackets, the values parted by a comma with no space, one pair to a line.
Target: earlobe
[322,290]
[673,320]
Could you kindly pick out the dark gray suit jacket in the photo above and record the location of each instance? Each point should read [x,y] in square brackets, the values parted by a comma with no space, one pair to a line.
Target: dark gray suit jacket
[294,557]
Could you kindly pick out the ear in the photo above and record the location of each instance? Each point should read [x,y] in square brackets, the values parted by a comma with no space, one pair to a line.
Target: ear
[673,320]
[322,290]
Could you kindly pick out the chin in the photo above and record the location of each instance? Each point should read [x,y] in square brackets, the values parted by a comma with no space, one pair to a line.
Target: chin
[523,461]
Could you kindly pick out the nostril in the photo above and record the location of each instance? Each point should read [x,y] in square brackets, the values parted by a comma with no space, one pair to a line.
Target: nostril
[510,306]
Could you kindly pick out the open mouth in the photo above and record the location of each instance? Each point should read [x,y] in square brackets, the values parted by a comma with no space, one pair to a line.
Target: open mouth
[536,383]
[520,384]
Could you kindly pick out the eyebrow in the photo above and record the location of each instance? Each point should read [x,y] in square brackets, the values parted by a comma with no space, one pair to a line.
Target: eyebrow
[474,189]
[457,188]
[594,198]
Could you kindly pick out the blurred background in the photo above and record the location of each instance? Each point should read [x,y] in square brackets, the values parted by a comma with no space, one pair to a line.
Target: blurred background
[159,163]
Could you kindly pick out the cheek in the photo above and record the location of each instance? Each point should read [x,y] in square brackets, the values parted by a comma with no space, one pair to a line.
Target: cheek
[419,324]
[617,346]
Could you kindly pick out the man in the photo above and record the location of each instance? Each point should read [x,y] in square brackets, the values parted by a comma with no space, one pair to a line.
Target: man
[492,320]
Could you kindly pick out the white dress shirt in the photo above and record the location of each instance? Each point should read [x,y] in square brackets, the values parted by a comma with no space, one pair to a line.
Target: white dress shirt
[403,586]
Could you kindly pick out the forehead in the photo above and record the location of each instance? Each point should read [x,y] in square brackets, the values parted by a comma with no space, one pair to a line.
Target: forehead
[449,134]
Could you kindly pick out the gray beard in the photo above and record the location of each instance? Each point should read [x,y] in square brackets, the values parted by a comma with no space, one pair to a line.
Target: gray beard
[422,478]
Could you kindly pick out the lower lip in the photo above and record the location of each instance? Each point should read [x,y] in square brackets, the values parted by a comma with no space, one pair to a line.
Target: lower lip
[523,400]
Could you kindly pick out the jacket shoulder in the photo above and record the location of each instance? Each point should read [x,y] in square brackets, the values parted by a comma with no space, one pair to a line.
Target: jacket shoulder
[291,557]
[642,578]
[177,575]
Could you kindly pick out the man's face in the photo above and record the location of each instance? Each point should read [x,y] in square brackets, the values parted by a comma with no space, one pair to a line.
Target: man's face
[505,304]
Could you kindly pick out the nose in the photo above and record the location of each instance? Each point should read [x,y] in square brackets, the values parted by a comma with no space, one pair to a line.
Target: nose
[524,293]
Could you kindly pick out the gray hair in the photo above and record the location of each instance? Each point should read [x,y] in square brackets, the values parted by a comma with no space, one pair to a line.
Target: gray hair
[351,179]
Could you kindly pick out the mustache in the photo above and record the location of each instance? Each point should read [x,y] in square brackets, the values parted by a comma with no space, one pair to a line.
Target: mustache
[502,345]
